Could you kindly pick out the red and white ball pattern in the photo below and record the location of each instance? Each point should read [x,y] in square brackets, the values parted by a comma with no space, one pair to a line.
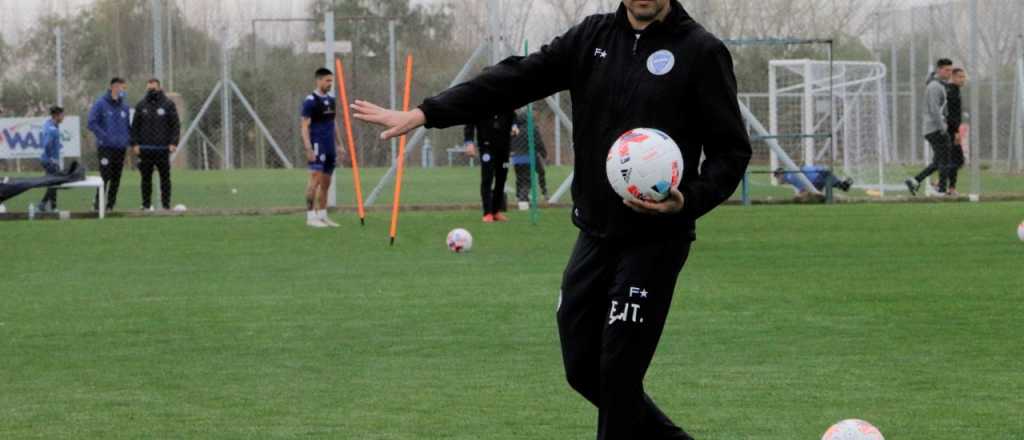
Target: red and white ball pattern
[852,429]
[644,164]
[460,240]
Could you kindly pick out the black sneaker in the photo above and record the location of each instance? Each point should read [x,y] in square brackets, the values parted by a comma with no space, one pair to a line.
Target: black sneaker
[912,185]
[846,185]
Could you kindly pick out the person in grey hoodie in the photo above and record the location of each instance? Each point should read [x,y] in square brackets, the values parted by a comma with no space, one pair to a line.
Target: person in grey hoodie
[935,128]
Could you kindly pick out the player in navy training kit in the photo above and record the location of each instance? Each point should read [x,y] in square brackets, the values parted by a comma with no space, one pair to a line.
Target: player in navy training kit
[321,138]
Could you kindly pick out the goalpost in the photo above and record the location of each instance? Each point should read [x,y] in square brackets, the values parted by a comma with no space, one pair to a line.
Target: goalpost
[839,120]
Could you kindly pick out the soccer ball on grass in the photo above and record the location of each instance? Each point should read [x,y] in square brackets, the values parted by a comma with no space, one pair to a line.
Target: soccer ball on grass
[460,240]
[852,429]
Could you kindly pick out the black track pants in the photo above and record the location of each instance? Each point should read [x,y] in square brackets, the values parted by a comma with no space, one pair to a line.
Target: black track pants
[615,299]
[493,174]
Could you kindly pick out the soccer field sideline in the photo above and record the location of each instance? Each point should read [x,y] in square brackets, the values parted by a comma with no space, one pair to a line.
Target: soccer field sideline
[252,191]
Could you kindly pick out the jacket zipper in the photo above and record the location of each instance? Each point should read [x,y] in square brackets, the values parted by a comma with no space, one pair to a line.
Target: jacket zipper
[636,43]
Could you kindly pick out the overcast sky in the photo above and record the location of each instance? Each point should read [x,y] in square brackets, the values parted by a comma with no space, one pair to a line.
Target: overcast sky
[18,15]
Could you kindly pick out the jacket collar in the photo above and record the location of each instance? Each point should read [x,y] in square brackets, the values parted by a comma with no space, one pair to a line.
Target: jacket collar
[111,99]
[675,21]
[158,96]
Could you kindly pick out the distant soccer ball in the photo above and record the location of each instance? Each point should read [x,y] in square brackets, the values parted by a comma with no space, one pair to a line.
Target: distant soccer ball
[180,208]
[234,190]
[852,429]
[1020,231]
[644,164]
[460,240]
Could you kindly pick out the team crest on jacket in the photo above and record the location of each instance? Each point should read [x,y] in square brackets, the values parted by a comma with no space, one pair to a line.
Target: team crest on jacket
[661,62]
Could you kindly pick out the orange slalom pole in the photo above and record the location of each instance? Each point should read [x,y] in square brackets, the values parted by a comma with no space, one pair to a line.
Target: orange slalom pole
[401,153]
[357,183]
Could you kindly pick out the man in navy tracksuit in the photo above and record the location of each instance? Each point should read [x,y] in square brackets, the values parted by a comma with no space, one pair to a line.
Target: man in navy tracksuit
[648,65]
[109,121]
[50,159]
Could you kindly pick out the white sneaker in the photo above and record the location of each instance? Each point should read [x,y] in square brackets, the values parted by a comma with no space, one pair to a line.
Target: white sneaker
[327,221]
[313,221]
[524,206]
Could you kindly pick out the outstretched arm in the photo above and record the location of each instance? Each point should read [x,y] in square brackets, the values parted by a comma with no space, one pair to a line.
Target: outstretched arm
[396,123]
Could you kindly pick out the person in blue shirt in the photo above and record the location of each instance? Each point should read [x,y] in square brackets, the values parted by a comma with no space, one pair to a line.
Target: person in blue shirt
[817,174]
[321,138]
[50,159]
[109,121]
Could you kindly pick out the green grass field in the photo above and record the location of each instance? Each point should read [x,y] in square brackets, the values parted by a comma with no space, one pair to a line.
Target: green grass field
[264,189]
[786,319]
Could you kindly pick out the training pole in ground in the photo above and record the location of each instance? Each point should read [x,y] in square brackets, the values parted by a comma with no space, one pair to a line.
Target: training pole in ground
[534,183]
[342,88]
[401,153]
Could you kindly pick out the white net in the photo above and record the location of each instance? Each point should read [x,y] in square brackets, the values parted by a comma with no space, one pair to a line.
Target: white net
[834,115]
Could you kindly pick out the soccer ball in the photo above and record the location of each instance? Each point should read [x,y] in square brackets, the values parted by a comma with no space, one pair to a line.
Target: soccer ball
[644,164]
[1020,231]
[180,208]
[460,240]
[852,429]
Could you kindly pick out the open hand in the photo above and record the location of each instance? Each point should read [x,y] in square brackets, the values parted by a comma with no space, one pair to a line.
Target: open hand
[673,204]
[396,123]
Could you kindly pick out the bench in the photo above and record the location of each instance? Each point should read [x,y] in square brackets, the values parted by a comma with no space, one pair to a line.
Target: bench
[93,182]
[458,150]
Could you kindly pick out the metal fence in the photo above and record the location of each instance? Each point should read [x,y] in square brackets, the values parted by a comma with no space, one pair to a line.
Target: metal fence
[980,36]
[239,70]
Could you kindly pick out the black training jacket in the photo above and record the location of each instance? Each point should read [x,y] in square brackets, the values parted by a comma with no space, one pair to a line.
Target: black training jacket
[156,121]
[674,76]
[493,132]
[954,108]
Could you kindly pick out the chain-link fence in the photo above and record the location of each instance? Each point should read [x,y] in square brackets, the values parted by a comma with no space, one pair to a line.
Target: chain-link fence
[984,41]
[239,70]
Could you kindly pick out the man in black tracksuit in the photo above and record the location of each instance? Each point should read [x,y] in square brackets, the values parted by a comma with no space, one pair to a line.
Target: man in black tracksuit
[954,118]
[155,133]
[648,65]
[491,136]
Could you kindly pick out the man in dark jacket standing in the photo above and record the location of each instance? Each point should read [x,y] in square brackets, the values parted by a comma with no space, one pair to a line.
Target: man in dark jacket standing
[492,135]
[109,122]
[954,119]
[155,133]
[648,65]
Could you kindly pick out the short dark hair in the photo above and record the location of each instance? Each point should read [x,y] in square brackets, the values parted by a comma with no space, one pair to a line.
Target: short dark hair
[322,72]
[958,70]
[117,80]
[153,80]
[56,110]
[943,62]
